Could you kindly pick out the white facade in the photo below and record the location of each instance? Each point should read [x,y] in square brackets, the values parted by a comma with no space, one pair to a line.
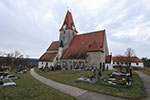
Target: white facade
[137,64]
[109,65]
[73,63]
[44,63]
[133,64]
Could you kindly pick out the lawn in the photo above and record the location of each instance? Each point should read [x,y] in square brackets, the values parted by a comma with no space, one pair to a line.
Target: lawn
[68,77]
[30,89]
[146,71]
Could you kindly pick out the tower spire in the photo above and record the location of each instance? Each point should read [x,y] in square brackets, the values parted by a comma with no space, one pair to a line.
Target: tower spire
[68,22]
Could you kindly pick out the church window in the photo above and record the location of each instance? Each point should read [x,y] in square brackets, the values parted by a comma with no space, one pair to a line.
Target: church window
[73,27]
[64,27]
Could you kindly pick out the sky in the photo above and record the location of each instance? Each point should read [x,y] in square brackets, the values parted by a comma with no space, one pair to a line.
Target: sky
[30,26]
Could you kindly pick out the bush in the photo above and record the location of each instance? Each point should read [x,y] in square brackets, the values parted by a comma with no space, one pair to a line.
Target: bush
[1,82]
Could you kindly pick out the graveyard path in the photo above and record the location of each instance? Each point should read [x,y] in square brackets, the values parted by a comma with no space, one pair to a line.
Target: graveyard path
[146,81]
[78,93]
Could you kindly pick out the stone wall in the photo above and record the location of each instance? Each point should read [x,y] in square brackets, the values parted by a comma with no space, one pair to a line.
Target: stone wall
[95,59]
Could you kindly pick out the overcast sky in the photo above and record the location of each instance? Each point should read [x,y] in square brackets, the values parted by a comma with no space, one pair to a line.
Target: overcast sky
[29,26]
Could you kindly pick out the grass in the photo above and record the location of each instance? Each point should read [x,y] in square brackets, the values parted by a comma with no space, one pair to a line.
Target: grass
[146,71]
[28,88]
[68,77]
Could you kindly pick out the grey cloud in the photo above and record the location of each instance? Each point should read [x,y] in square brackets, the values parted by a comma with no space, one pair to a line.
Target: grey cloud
[35,24]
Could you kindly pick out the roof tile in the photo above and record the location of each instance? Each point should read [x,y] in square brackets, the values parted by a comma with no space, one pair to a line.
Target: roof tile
[125,59]
[53,46]
[48,56]
[81,44]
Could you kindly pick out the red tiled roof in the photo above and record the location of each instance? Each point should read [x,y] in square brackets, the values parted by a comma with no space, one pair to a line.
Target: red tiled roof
[68,22]
[108,58]
[53,46]
[94,46]
[48,56]
[125,59]
[83,43]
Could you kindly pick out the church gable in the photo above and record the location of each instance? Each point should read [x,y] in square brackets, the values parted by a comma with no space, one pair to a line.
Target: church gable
[81,44]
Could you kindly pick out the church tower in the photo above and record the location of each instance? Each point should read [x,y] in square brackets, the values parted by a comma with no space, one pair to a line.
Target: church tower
[67,31]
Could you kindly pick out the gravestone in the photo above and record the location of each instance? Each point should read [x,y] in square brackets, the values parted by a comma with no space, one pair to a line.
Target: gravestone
[100,74]
[95,73]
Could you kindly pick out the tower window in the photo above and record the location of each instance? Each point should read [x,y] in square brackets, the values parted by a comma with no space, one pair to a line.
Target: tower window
[73,27]
[64,27]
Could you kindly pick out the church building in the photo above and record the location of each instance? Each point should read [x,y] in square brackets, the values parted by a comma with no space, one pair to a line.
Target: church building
[77,51]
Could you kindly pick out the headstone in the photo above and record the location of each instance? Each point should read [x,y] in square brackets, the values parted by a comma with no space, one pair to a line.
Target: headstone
[95,73]
[100,74]
[130,72]
[103,67]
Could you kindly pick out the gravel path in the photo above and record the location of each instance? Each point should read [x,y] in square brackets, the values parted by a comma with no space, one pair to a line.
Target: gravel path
[82,94]
[146,81]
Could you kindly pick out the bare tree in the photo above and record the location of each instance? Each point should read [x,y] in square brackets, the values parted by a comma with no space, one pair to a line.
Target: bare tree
[16,54]
[0,54]
[129,53]
[27,56]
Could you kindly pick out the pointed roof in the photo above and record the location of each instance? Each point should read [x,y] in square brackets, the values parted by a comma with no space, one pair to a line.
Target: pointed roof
[68,22]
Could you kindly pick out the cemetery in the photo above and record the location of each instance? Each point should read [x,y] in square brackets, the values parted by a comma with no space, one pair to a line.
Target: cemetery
[119,78]
[112,82]
[27,88]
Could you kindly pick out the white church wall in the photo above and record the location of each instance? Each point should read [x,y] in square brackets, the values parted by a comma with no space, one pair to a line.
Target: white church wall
[73,63]
[43,64]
